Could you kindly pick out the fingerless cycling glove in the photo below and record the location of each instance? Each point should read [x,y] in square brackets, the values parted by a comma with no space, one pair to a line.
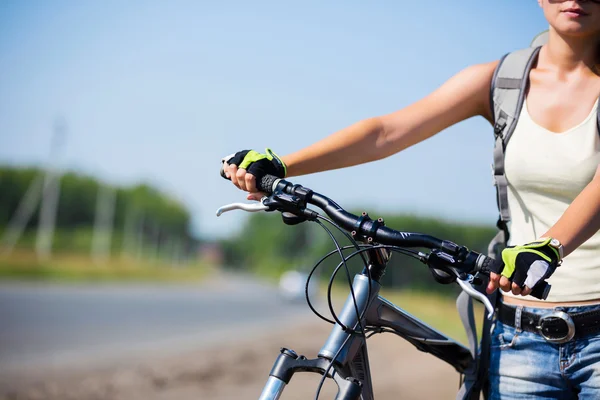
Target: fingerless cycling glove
[259,164]
[530,263]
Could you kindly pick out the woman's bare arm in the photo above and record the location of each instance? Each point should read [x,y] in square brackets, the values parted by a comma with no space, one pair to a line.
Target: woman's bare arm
[581,220]
[463,96]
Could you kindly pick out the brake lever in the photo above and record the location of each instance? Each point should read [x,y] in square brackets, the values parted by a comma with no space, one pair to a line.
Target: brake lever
[466,286]
[250,207]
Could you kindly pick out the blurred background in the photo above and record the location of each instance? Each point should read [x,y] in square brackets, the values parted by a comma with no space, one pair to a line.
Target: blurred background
[116,276]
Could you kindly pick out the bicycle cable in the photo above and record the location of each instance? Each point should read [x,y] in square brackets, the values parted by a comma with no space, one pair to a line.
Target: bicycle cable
[362,331]
[310,276]
[329,367]
[364,247]
[344,263]
[407,252]
[400,250]
[343,231]
[360,249]
[359,315]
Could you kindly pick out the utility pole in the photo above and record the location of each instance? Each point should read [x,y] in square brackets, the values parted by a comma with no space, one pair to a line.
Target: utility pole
[141,226]
[50,194]
[155,249]
[46,187]
[103,223]
[128,245]
[176,254]
[24,212]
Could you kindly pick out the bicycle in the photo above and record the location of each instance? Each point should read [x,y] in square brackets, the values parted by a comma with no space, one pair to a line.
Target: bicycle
[344,356]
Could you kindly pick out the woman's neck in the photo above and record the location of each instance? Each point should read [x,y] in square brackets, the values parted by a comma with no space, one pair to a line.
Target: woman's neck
[568,54]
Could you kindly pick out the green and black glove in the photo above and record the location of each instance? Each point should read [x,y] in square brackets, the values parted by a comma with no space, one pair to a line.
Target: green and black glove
[258,164]
[533,262]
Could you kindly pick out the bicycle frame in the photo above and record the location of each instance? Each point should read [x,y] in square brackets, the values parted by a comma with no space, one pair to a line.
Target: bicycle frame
[348,351]
[344,357]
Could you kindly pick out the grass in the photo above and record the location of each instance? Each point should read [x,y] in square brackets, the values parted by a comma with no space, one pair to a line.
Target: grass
[24,265]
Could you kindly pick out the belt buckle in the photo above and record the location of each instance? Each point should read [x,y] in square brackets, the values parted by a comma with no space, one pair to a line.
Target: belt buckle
[562,316]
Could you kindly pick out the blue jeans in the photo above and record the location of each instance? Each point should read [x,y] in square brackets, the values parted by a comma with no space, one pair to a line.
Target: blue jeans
[523,365]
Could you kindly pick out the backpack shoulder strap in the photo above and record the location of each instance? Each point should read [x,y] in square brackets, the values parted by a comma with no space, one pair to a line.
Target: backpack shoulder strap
[507,95]
[508,89]
[598,110]
[540,39]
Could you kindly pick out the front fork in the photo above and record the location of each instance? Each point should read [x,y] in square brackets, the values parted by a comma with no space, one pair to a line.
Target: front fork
[339,347]
[289,362]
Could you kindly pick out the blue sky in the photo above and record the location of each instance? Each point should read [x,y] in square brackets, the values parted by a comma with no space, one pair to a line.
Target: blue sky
[159,91]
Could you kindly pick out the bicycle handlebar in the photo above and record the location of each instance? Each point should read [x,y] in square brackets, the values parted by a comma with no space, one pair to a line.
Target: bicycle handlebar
[377,232]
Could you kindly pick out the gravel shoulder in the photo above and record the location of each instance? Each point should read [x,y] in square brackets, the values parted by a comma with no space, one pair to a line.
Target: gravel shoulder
[232,370]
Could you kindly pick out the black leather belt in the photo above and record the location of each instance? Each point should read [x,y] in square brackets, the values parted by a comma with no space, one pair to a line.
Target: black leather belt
[556,327]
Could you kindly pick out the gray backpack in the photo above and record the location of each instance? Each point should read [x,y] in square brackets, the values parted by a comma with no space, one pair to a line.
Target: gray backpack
[507,95]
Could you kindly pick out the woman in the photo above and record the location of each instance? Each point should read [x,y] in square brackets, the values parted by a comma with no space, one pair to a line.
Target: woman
[553,169]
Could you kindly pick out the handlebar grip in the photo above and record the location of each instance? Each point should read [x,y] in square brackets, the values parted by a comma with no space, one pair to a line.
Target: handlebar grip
[491,265]
[539,291]
[266,184]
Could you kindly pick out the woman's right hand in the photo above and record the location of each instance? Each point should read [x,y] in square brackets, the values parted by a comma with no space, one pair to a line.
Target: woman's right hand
[245,167]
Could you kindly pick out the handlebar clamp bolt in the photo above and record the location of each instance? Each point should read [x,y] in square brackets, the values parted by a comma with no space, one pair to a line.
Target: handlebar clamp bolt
[380,220]
[369,239]
[289,352]
[353,233]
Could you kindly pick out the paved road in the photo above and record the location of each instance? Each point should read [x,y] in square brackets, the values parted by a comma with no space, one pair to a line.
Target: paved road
[54,324]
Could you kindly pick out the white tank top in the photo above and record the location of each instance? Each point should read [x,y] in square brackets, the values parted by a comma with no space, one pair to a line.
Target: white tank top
[545,172]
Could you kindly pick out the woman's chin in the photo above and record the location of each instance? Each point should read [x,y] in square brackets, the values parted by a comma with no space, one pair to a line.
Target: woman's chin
[578,29]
